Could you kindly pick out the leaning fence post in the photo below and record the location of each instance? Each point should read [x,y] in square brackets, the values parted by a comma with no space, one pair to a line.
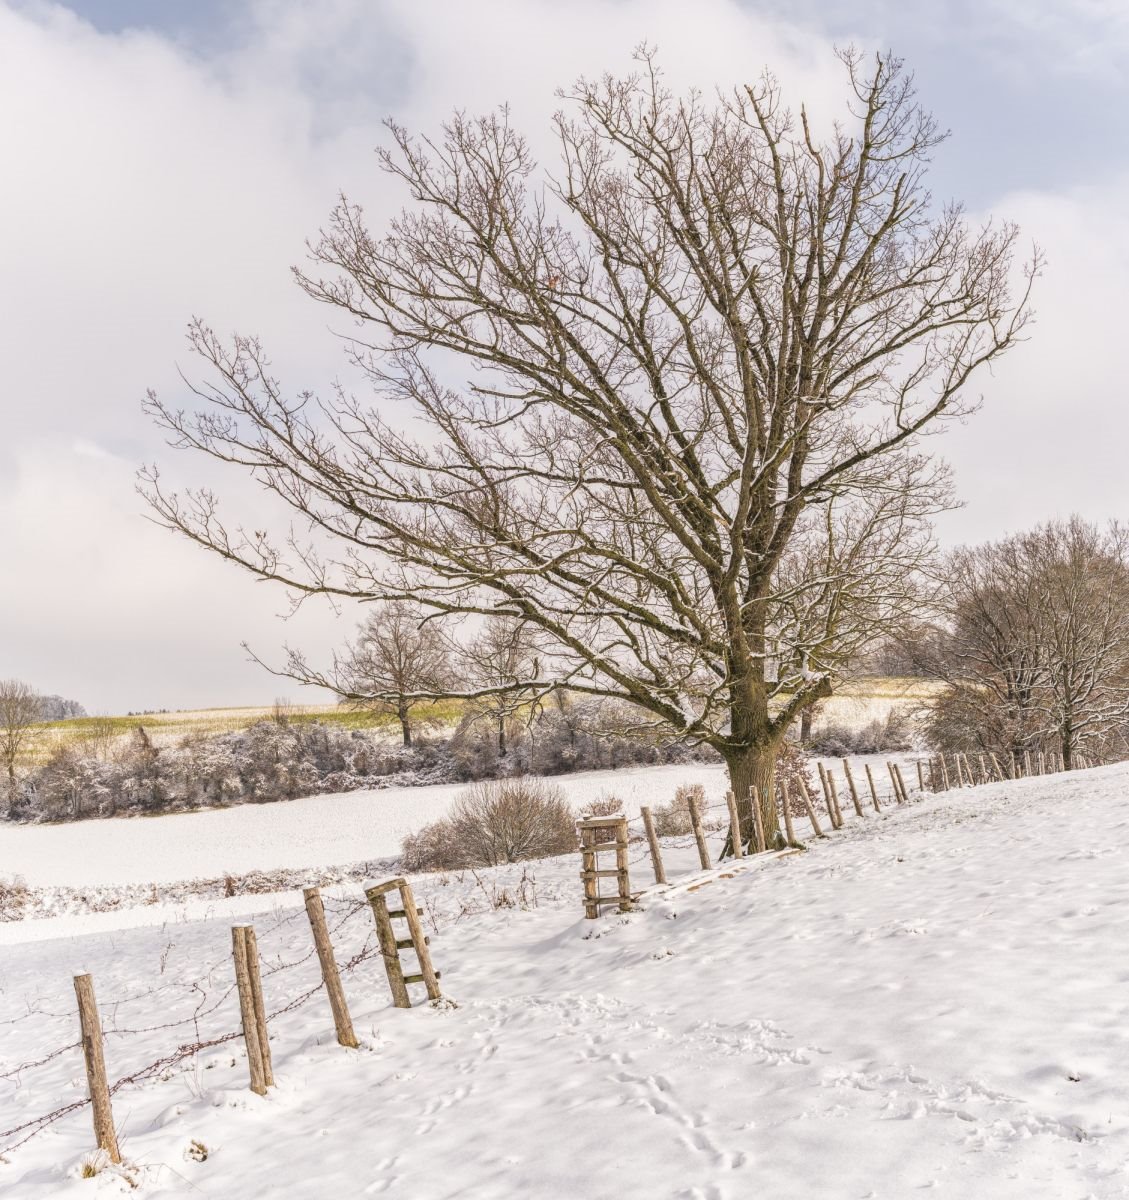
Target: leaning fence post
[851,785]
[653,842]
[758,821]
[894,783]
[789,832]
[835,798]
[91,1026]
[315,910]
[386,936]
[734,825]
[920,777]
[247,1010]
[901,785]
[806,793]
[831,816]
[944,772]
[873,789]
[699,834]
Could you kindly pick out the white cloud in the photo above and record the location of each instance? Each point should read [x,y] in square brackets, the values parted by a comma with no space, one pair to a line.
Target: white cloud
[145,183]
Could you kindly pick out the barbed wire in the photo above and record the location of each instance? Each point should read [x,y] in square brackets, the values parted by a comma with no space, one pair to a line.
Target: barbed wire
[344,910]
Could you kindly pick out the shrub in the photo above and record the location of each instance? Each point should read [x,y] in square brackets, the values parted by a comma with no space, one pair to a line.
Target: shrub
[673,819]
[495,821]
[893,732]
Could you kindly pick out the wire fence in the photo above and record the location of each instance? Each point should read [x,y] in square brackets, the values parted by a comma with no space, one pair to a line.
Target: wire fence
[207,995]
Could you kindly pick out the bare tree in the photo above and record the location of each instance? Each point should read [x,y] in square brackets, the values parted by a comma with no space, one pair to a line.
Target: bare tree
[700,353]
[20,713]
[497,662]
[397,655]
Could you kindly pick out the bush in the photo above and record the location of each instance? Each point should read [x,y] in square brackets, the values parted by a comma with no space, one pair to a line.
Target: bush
[496,821]
[673,819]
[882,735]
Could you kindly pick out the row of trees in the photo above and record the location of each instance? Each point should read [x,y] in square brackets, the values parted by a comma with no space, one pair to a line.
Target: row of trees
[1034,644]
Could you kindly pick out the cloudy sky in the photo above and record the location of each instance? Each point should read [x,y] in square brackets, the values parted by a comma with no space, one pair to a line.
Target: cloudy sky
[164,158]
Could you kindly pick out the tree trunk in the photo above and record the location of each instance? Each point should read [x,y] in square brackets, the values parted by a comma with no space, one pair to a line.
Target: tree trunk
[405,725]
[755,766]
[501,737]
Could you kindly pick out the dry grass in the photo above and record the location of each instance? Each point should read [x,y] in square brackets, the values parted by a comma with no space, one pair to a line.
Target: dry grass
[168,728]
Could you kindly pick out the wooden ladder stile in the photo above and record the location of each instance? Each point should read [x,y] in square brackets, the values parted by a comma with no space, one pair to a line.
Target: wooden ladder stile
[604,835]
[391,945]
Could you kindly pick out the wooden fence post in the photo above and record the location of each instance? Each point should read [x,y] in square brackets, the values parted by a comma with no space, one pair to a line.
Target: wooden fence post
[894,783]
[342,1022]
[806,793]
[851,784]
[247,1011]
[997,770]
[90,1025]
[828,802]
[699,835]
[1027,763]
[873,789]
[944,772]
[734,825]
[920,777]
[901,785]
[653,842]
[835,798]
[759,842]
[260,1008]
[789,832]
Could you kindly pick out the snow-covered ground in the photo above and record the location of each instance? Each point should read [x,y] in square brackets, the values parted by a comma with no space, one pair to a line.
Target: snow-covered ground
[319,831]
[929,1000]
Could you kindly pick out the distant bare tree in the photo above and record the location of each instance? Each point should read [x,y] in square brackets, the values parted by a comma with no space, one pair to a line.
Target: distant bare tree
[496,663]
[397,657]
[20,712]
[701,358]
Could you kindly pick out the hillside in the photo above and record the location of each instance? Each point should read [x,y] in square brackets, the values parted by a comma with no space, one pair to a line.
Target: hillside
[929,1000]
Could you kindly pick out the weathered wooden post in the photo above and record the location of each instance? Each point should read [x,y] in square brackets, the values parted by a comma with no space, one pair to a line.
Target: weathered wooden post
[944,772]
[894,782]
[1027,763]
[835,798]
[902,793]
[653,842]
[828,802]
[699,834]
[252,1038]
[984,776]
[331,977]
[873,789]
[386,937]
[997,770]
[809,805]
[260,1007]
[735,839]
[851,785]
[789,832]
[759,843]
[920,777]
[90,1026]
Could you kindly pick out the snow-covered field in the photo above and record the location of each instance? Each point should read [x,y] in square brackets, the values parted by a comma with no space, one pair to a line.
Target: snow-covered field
[315,832]
[929,1000]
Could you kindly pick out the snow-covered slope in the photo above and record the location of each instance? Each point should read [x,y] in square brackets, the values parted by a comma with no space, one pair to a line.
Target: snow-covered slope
[930,1000]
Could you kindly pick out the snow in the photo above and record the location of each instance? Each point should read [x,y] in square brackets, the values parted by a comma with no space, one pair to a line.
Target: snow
[929,1000]
[317,831]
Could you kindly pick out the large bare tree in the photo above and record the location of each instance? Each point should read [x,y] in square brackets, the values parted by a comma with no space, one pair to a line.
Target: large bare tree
[20,713]
[700,358]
